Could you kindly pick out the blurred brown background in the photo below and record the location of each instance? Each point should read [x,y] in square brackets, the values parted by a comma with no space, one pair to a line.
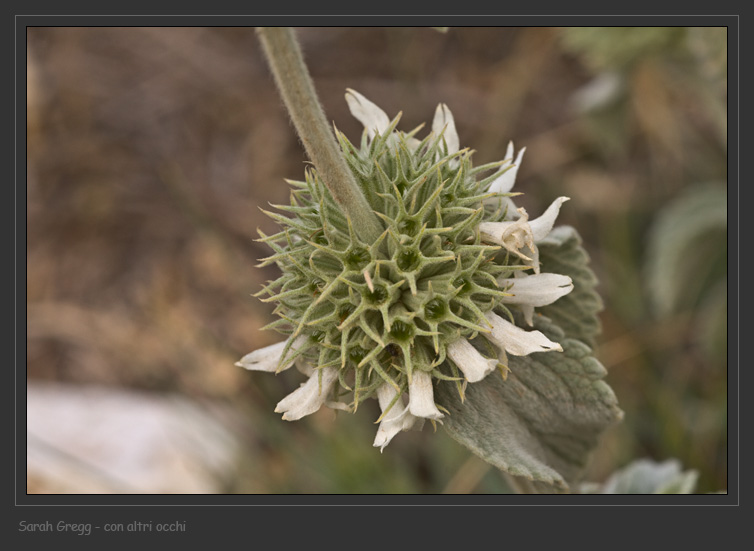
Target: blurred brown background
[150,151]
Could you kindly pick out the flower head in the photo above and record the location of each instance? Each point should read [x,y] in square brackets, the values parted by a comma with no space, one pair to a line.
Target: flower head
[431,300]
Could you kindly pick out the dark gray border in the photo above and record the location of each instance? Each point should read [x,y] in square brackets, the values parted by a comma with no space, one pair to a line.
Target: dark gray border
[227,515]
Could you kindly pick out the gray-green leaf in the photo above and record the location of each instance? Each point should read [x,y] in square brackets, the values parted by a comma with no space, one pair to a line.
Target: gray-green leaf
[648,477]
[561,252]
[687,247]
[544,420]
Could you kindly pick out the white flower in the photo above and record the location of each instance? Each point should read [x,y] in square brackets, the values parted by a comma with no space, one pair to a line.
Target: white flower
[522,235]
[268,358]
[376,122]
[474,366]
[542,226]
[310,396]
[514,236]
[445,124]
[504,182]
[528,291]
[517,341]
[421,399]
[374,119]
[396,419]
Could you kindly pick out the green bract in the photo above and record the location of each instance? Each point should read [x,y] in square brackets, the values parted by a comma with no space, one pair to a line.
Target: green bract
[392,317]
[379,311]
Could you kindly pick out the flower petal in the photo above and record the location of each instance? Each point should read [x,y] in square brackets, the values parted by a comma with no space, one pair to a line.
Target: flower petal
[504,183]
[268,358]
[527,309]
[263,359]
[517,341]
[514,236]
[541,226]
[303,367]
[509,153]
[421,401]
[397,419]
[537,289]
[444,120]
[374,119]
[412,143]
[468,359]
[309,397]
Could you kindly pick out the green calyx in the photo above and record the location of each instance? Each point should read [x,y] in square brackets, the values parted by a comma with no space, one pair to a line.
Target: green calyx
[378,311]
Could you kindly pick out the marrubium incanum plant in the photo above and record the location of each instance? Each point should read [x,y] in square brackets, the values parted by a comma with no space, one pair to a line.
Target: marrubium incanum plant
[430,301]
[410,276]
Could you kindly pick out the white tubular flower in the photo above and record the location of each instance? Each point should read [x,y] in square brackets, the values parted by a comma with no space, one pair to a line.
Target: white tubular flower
[397,419]
[374,119]
[529,291]
[268,358]
[542,226]
[444,121]
[514,236]
[504,183]
[526,309]
[310,396]
[523,233]
[474,366]
[421,401]
[517,341]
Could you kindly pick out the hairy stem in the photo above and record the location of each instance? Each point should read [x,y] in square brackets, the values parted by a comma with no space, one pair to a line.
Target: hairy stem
[297,89]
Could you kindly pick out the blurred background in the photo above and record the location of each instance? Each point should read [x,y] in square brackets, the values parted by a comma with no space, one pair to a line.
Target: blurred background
[151,150]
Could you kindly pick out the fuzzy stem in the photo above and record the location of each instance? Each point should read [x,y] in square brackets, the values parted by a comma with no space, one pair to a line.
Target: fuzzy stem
[297,89]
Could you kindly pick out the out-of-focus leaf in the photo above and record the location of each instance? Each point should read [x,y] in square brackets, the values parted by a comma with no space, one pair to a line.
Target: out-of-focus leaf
[604,90]
[686,245]
[648,477]
[544,420]
[561,252]
[710,46]
[712,322]
[620,47]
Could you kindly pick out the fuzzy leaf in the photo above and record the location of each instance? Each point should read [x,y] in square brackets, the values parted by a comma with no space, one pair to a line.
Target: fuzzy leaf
[561,252]
[543,421]
[689,236]
[648,477]
[712,322]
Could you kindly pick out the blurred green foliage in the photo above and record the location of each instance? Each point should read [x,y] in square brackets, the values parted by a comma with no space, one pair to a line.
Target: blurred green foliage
[648,477]
[621,47]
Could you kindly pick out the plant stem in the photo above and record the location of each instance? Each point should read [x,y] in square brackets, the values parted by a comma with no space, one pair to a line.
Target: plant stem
[297,89]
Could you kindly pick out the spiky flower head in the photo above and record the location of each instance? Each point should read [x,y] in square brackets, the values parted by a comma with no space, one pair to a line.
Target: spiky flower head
[430,301]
